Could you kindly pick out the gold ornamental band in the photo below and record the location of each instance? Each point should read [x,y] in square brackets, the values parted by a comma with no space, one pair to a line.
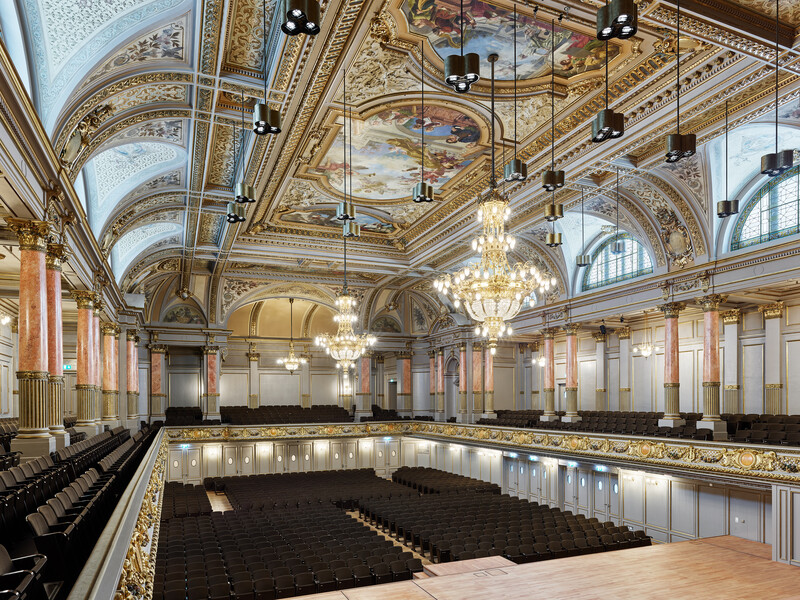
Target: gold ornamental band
[571,389]
[601,390]
[33,415]
[133,404]
[732,386]
[624,389]
[731,317]
[672,385]
[711,384]
[773,386]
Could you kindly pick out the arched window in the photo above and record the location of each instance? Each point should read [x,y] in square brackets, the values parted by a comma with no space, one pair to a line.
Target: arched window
[774,212]
[610,267]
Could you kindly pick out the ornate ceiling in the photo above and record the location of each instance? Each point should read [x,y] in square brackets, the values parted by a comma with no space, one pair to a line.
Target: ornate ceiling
[142,102]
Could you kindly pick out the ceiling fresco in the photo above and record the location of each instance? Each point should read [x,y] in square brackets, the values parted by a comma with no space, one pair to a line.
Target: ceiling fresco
[143,97]
[490,28]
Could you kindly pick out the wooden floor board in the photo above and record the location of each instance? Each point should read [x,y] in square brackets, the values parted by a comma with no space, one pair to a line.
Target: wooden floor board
[724,568]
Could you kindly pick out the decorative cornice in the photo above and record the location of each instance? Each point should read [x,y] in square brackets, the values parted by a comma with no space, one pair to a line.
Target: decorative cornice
[533,346]
[671,310]
[732,316]
[32,234]
[771,311]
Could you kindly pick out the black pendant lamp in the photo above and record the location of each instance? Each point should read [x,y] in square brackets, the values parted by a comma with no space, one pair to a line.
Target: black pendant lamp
[265,119]
[553,238]
[775,163]
[726,208]
[244,191]
[617,246]
[515,170]
[607,124]
[236,213]
[462,70]
[679,146]
[617,19]
[300,16]
[583,260]
[423,191]
[552,179]
[346,211]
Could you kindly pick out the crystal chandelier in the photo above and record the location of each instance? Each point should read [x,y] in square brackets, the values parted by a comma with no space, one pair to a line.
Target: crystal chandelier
[291,362]
[345,346]
[646,348]
[493,291]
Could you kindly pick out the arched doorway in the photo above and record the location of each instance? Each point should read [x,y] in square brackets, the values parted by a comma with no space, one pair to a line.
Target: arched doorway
[451,381]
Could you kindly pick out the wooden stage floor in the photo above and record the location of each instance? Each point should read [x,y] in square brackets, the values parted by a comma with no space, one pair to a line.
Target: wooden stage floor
[725,567]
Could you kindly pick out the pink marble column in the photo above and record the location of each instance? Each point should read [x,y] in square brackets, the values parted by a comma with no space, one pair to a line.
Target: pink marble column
[211,396]
[110,398]
[462,380]
[672,384]
[572,372]
[56,254]
[711,370]
[157,395]
[364,392]
[132,370]
[440,382]
[432,379]
[33,375]
[404,397]
[477,380]
[83,386]
[549,373]
[488,380]
[97,360]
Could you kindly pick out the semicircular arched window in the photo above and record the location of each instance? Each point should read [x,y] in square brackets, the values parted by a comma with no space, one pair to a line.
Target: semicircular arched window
[772,213]
[609,267]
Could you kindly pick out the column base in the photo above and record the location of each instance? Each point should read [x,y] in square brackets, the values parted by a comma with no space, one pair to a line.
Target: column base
[488,415]
[31,448]
[62,439]
[719,428]
[132,424]
[548,418]
[672,422]
[361,413]
[570,419]
[110,423]
[305,400]
[625,399]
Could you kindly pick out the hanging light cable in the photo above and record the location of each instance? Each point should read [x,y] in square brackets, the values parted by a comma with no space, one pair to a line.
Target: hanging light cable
[607,124]
[552,179]
[265,119]
[423,191]
[726,208]
[291,362]
[244,191]
[775,163]
[618,245]
[346,211]
[515,170]
[583,260]
[462,70]
[679,146]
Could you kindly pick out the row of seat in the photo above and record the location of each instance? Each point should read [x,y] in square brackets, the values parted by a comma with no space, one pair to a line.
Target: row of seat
[66,525]
[21,577]
[432,481]
[184,500]
[280,414]
[8,460]
[8,431]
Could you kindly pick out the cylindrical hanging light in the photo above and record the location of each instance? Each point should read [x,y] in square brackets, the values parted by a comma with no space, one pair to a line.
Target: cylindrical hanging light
[351,229]
[236,213]
[607,124]
[552,179]
[515,169]
[423,192]
[462,70]
[583,260]
[243,192]
[775,163]
[726,207]
[619,19]
[553,239]
[679,146]
[301,16]
[553,212]
[346,211]
[265,119]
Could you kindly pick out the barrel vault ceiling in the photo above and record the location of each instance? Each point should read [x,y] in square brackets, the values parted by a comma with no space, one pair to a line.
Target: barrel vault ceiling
[142,99]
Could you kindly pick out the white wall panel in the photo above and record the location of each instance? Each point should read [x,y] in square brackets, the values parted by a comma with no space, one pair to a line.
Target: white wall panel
[279,388]
[793,377]
[612,383]
[642,383]
[753,377]
[234,388]
[184,389]
[587,384]
[324,388]
[688,402]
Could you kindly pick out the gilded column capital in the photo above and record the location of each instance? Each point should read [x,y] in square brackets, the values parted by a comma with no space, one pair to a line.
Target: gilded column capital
[571,328]
[440,351]
[132,335]
[15,325]
[711,302]
[549,332]
[534,346]
[211,349]
[771,311]
[98,304]
[251,356]
[431,353]
[379,359]
[671,310]
[732,316]
[84,299]
[477,346]
[55,257]
[32,235]
[160,349]
[111,329]
[623,333]
[600,337]
[407,355]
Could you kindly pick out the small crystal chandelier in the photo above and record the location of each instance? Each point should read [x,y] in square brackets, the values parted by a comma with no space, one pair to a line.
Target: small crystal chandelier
[538,361]
[291,362]
[493,291]
[646,348]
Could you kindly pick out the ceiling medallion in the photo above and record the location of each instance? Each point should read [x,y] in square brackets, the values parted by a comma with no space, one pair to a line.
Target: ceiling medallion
[679,146]
[291,362]
[552,179]
[462,70]
[265,119]
[300,16]
[493,291]
[423,191]
[775,163]
[515,170]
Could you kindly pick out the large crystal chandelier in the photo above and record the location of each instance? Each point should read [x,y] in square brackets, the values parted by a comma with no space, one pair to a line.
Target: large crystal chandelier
[345,346]
[493,291]
[291,362]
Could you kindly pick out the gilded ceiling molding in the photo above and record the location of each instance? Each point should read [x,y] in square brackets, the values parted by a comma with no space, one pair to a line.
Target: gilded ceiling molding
[255,315]
[308,318]
[696,230]
[239,292]
[197,177]
[209,42]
